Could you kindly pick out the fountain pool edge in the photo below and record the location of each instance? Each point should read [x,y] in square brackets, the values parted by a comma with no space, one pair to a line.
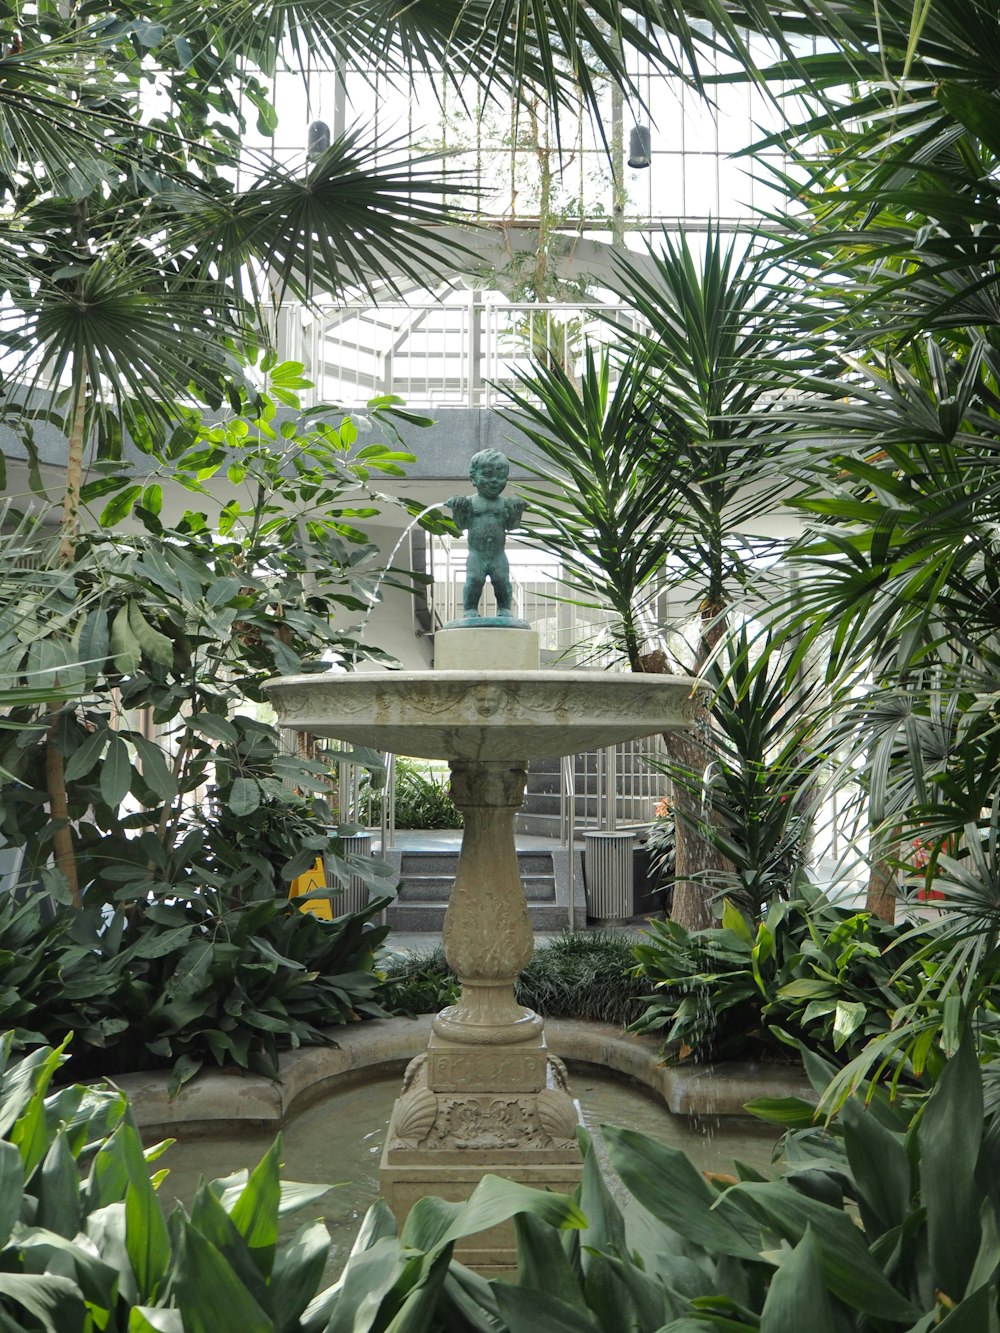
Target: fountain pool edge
[253,1102]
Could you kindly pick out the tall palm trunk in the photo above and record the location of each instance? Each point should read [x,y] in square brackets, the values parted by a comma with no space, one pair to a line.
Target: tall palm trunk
[696,856]
[63,848]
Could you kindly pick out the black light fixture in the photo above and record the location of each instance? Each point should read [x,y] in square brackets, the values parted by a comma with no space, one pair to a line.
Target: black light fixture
[638,146]
[317,139]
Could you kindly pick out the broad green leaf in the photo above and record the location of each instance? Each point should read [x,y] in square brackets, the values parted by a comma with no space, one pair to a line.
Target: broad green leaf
[11,1188]
[57,1186]
[665,1182]
[849,1017]
[204,1286]
[154,645]
[734,920]
[244,796]
[83,759]
[255,1212]
[119,506]
[851,1272]
[949,1134]
[790,1112]
[298,1270]
[797,1298]
[542,1262]
[880,1165]
[148,1319]
[124,649]
[54,1301]
[146,1238]
[529,1310]
[155,773]
[116,773]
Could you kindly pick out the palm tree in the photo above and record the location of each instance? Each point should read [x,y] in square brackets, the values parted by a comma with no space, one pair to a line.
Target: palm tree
[661,478]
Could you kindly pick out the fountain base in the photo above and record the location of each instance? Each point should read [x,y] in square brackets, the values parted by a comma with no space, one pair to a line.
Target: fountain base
[466,1113]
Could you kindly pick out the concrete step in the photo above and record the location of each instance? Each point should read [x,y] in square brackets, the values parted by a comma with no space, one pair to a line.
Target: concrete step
[429,917]
[443,862]
[436,888]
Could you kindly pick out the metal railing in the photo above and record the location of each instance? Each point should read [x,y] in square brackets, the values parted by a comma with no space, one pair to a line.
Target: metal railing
[448,353]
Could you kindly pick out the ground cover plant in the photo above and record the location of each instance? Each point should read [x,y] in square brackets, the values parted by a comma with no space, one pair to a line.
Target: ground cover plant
[587,975]
[808,974]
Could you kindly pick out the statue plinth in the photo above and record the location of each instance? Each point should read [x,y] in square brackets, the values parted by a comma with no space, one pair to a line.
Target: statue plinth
[469,647]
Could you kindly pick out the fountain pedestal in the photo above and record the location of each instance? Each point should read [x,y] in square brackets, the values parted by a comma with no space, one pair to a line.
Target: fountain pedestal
[486,1098]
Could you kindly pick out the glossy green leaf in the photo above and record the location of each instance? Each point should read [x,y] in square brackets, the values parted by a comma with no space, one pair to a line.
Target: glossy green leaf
[849,1015]
[244,796]
[84,758]
[11,1186]
[298,1269]
[528,1309]
[154,645]
[147,1319]
[205,1287]
[155,773]
[665,1182]
[542,1262]
[949,1134]
[797,1298]
[880,1165]
[850,1271]
[789,1112]
[116,773]
[255,1212]
[55,1302]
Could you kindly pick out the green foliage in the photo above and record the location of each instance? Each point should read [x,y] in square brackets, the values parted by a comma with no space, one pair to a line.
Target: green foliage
[182,982]
[415,983]
[178,626]
[84,1241]
[422,797]
[887,1218]
[585,975]
[808,973]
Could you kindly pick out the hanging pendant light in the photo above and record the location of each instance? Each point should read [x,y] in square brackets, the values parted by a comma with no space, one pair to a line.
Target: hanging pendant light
[317,139]
[638,146]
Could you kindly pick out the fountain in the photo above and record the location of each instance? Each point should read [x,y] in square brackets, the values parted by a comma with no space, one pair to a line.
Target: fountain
[486,1097]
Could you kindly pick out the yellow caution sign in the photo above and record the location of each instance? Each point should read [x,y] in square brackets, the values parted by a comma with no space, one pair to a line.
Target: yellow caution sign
[306,883]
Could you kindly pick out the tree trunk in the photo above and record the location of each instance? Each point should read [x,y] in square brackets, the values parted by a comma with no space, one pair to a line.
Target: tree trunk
[694,854]
[55,765]
[880,899]
[62,832]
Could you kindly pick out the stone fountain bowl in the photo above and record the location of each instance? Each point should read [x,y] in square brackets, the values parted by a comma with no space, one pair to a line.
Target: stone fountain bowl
[485,715]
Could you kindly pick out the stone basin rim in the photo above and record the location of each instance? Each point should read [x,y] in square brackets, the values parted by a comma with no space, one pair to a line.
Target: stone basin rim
[365,1050]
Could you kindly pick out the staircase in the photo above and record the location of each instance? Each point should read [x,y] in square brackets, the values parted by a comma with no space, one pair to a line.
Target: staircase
[540,812]
[426,879]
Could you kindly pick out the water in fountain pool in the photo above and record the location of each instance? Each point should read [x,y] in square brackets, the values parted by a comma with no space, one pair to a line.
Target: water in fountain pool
[338,1141]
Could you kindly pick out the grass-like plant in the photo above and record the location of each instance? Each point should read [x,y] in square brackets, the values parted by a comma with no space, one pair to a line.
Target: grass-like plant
[587,975]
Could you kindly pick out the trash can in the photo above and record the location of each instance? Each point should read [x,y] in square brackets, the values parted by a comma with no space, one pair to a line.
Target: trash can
[609,876]
[354,894]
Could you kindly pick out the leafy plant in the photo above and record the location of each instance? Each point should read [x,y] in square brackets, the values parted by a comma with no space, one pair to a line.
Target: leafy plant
[415,983]
[887,1218]
[182,982]
[810,973]
[163,779]
[583,974]
[422,798]
[83,1239]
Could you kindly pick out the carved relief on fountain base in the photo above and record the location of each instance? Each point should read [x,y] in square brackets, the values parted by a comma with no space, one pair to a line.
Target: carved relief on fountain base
[497,1128]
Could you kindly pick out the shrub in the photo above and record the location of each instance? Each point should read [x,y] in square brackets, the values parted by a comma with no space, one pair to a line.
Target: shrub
[184,981]
[887,1220]
[811,972]
[423,798]
[83,1241]
[586,975]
